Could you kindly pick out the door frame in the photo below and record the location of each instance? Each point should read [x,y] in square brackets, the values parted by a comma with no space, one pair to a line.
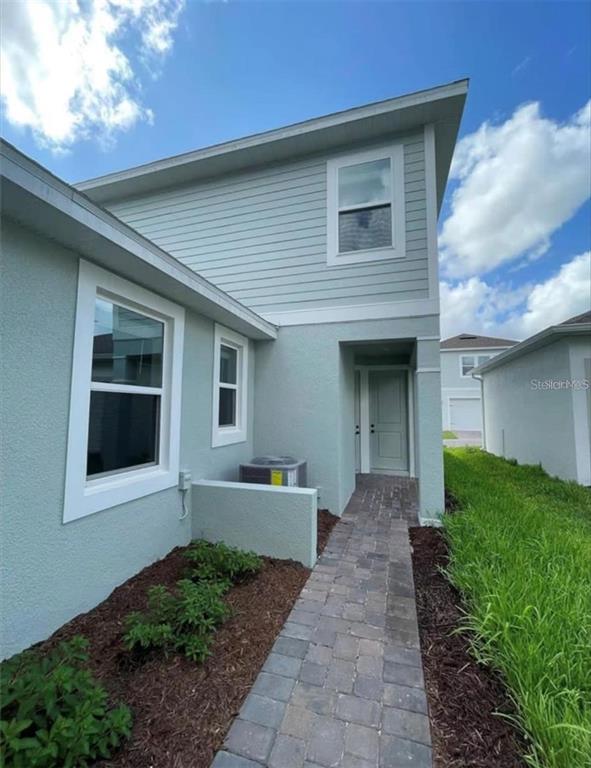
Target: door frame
[364,413]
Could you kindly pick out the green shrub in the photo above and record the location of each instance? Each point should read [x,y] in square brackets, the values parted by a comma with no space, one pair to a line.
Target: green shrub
[53,713]
[180,620]
[215,562]
[520,553]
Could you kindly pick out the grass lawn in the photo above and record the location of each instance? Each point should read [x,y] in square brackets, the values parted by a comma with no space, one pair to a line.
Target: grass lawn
[521,557]
[449,435]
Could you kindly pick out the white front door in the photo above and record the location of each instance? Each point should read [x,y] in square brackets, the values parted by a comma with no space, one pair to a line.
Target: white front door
[388,421]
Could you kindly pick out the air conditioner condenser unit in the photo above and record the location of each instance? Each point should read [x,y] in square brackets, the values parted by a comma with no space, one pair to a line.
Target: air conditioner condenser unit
[274,470]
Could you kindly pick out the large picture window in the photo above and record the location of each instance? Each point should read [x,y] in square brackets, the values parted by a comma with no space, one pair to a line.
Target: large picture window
[366,207]
[124,418]
[230,385]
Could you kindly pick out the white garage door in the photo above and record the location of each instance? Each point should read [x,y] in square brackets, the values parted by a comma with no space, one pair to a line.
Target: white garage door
[465,413]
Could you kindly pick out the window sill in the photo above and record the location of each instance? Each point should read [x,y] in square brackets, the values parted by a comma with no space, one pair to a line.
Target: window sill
[360,257]
[222,437]
[97,496]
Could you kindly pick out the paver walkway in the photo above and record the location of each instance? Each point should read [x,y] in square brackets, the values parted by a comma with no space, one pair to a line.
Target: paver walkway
[343,684]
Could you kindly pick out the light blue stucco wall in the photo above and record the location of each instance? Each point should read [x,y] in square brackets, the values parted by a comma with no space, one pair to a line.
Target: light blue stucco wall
[50,571]
[532,425]
[428,447]
[304,402]
[273,521]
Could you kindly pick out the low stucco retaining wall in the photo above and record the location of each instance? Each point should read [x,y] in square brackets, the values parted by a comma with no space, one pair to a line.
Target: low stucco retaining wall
[270,520]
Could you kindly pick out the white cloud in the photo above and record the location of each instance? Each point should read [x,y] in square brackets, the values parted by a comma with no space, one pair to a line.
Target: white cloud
[519,181]
[502,310]
[65,73]
[563,295]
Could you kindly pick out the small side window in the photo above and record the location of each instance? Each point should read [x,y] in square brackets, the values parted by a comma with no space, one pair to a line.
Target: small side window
[230,388]
[468,362]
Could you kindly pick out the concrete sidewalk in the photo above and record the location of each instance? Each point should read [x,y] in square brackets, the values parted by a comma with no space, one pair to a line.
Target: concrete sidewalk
[465,438]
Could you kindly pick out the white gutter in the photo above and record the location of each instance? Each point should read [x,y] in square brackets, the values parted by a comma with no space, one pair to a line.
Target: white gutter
[482,409]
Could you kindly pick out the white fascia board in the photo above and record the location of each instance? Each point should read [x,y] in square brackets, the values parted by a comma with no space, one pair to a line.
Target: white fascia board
[541,339]
[278,141]
[36,190]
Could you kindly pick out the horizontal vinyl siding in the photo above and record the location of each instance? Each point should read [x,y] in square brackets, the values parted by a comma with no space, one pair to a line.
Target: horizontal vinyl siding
[261,236]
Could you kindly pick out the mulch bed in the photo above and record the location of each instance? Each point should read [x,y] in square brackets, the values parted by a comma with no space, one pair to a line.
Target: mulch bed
[326,522]
[182,710]
[463,696]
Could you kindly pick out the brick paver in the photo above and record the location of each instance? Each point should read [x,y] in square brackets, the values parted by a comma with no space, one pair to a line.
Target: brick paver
[343,685]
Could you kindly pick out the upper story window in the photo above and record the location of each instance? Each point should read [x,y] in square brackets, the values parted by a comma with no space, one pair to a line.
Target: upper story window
[469,362]
[230,388]
[366,206]
[123,440]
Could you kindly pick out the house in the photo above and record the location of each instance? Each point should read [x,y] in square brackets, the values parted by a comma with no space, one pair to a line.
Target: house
[461,408]
[537,400]
[272,295]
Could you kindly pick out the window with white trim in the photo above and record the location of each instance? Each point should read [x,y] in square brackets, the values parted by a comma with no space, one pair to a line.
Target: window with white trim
[469,362]
[230,388]
[123,440]
[365,202]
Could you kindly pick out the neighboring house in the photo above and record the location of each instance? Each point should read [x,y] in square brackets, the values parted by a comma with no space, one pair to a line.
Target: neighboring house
[537,400]
[461,408]
[272,295]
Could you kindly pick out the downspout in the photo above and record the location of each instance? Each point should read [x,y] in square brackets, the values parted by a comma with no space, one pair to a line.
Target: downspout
[480,378]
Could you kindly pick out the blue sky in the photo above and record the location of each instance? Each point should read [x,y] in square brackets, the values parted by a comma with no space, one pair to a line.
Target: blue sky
[223,70]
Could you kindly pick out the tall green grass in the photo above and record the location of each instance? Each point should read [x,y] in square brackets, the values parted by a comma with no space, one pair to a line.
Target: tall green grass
[520,553]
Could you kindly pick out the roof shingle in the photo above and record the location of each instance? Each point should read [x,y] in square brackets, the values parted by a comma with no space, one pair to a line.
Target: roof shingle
[473,341]
[585,317]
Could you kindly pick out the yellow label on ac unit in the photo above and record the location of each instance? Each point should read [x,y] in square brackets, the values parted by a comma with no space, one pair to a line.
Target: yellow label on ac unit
[276,477]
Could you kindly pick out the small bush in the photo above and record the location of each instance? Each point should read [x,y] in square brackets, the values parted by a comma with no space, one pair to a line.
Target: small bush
[215,562]
[181,620]
[53,713]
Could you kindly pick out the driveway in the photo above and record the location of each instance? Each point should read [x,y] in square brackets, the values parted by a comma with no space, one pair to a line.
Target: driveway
[464,438]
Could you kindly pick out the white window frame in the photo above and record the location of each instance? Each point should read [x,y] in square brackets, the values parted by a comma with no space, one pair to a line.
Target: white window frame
[475,357]
[237,433]
[469,374]
[395,154]
[84,496]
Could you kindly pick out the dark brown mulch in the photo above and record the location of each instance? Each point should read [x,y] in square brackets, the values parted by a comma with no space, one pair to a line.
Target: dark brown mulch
[326,522]
[182,710]
[463,696]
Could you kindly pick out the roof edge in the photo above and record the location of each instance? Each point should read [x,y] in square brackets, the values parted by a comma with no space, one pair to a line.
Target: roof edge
[533,342]
[99,184]
[18,171]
